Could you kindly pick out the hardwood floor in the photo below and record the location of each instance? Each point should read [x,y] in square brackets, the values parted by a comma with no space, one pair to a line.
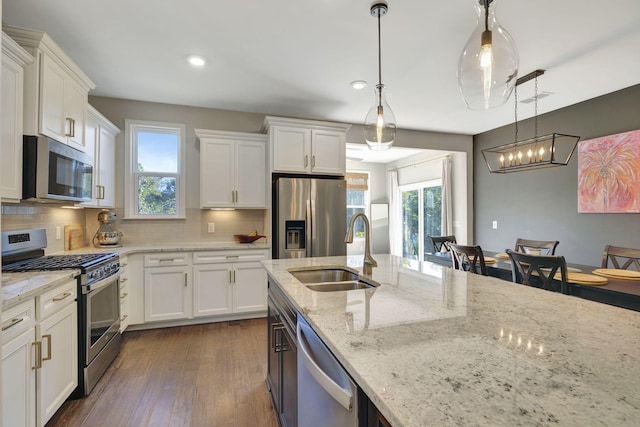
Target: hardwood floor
[203,375]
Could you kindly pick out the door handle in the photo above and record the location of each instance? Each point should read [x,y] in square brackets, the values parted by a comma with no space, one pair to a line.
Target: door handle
[306,160]
[38,346]
[48,338]
[185,280]
[313,161]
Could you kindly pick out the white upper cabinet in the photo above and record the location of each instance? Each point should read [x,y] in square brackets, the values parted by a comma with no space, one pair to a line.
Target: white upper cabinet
[233,169]
[14,60]
[56,90]
[100,138]
[306,146]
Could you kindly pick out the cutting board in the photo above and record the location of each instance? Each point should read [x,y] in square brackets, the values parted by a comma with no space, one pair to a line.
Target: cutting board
[73,237]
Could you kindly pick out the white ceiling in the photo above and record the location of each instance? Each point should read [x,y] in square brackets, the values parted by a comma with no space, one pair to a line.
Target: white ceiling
[296,58]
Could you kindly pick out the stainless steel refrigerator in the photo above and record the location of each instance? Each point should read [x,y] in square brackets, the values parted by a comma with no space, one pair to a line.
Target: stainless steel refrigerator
[309,217]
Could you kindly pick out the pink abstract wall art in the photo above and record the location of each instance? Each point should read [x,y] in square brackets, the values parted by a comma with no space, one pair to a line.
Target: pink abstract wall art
[609,174]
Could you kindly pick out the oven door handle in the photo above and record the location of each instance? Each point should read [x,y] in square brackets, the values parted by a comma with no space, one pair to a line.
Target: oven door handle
[101,283]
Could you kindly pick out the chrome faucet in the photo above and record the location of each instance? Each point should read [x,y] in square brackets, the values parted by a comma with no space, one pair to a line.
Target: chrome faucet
[369,262]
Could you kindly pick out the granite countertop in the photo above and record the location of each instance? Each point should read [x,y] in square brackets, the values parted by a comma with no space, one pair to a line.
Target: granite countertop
[18,287]
[436,346]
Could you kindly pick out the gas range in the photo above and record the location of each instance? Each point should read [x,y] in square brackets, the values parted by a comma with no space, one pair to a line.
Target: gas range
[23,250]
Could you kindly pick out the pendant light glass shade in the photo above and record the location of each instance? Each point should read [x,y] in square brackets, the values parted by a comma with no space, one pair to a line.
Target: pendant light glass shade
[380,123]
[488,65]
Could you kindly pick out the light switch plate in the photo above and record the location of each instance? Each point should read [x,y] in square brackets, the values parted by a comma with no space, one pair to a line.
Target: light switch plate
[495,225]
[211,227]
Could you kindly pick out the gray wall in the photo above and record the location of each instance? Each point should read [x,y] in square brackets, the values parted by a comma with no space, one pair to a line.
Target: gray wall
[543,204]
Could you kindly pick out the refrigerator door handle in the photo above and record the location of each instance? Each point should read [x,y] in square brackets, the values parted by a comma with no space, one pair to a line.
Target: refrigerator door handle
[309,221]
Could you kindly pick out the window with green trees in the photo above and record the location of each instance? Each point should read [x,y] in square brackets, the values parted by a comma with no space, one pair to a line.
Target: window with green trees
[421,217]
[155,168]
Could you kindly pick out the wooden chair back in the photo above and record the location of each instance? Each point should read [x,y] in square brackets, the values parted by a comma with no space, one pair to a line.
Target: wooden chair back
[438,242]
[622,258]
[531,270]
[546,247]
[467,258]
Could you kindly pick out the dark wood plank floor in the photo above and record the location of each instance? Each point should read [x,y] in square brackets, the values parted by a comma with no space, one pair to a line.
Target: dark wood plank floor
[203,375]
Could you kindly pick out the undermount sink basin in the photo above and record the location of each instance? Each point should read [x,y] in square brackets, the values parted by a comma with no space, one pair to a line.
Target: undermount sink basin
[331,279]
[324,275]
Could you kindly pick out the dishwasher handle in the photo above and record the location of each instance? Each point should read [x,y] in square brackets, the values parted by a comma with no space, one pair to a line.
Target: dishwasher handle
[339,394]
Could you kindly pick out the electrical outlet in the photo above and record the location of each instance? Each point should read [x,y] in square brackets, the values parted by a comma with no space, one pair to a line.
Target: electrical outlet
[495,225]
[211,227]
[58,233]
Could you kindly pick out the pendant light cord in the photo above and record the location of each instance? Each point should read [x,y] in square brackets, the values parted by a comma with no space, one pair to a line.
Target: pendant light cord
[486,15]
[515,109]
[535,122]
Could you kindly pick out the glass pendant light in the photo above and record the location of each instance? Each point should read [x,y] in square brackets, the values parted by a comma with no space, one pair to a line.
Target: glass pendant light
[380,122]
[488,65]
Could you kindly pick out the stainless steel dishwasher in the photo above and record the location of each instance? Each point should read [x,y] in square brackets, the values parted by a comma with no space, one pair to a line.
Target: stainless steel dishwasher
[327,396]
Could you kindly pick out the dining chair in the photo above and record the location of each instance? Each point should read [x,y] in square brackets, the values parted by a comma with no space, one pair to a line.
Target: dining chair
[622,258]
[546,247]
[532,270]
[438,242]
[467,258]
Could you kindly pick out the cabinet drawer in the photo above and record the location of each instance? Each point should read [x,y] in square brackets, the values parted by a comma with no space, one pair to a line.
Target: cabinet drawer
[165,259]
[55,299]
[18,319]
[226,256]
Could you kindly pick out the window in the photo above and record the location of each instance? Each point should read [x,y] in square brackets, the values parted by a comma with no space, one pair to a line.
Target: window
[155,184]
[421,217]
[357,199]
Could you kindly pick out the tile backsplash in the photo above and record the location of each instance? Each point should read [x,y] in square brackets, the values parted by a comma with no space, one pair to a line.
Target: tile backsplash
[193,229]
[20,217]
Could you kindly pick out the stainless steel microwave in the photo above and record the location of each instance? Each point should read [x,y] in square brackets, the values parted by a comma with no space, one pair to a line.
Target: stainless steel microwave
[55,172]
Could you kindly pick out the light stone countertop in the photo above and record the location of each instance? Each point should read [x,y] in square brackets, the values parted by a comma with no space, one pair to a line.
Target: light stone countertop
[436,346]
[18,287]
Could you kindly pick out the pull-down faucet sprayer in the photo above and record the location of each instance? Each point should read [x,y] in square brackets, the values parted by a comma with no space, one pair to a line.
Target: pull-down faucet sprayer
[369,262]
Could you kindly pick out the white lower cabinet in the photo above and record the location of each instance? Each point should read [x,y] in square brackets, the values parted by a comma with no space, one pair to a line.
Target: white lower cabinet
[178,286]
[167,293]
[39,356]
[58,376]
[124,293]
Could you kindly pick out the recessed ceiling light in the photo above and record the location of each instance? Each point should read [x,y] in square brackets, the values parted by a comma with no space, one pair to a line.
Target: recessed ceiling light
[358,84]
[196,60]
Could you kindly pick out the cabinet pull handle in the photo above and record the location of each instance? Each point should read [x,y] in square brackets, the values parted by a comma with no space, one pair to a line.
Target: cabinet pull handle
[236,196]
[230,280]
[123,318]
[185,280]
[60,298]
[313,161]
[13,323]
[48,337]
[123,296]
[124,279]
[72,127]
[124,264]
[38,346]
[234,276]
[166,259]
[306,160]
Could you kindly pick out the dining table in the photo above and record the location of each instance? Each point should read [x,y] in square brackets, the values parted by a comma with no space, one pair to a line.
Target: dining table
[619,292]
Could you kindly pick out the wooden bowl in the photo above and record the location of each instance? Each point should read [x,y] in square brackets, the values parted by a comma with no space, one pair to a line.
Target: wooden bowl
[245,238]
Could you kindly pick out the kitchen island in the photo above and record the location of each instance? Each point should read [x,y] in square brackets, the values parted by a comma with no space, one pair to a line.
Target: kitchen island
[436,346]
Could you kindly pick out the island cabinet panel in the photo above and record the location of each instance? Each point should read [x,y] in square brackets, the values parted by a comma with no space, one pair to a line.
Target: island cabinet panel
[306,146]
[233,170]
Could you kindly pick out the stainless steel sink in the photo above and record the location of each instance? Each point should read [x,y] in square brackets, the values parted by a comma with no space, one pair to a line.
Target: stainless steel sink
[331,279]
[324,275]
